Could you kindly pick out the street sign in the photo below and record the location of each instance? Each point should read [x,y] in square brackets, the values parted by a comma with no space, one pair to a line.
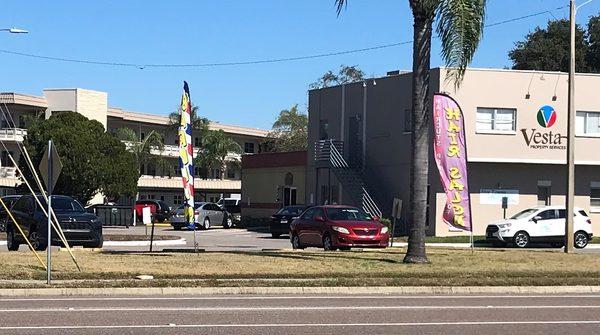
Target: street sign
[397,208]
[56,167]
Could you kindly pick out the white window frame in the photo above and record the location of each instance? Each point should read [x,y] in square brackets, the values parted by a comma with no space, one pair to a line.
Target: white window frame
[585,120]
[493,120]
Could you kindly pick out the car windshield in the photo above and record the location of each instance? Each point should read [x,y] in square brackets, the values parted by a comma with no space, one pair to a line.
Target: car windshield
[524,214]
[348,214]
[65,204]
[290,211]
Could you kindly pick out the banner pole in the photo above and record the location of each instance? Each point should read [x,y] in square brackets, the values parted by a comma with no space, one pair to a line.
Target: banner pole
[49,231]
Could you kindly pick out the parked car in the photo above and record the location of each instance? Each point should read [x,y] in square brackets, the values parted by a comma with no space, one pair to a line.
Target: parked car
[232,206]
[9,200]
[281,220]
[206,214]
[159,209]
[544,224]
[80,228]
[338,227]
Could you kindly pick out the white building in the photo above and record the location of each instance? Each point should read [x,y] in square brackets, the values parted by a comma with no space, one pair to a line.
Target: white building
[161,183]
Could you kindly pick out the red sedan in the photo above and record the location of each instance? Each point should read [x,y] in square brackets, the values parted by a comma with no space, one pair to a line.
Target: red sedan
[338,227]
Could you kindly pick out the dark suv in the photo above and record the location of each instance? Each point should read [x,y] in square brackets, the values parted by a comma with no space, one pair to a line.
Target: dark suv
[9,200]
[80,228]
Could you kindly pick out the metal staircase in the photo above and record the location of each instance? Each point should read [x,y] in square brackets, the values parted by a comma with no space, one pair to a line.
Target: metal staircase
[350,178]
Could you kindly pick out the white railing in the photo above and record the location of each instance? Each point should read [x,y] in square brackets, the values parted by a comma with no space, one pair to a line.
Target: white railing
[13,134]
[338,161]
[172,151]
[8,172]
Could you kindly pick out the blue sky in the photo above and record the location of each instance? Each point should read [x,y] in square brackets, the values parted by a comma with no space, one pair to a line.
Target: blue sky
[202,31]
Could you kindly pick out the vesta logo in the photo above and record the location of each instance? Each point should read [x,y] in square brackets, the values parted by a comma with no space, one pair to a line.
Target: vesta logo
[535,139]
[546,116]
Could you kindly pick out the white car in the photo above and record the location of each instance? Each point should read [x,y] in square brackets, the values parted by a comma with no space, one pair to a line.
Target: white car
[206,214]
[544,224]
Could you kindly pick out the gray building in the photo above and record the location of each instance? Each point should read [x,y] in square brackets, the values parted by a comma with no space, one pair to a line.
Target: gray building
[359,144]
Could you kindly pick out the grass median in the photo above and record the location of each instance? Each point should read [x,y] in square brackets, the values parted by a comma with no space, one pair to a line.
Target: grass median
[308,268]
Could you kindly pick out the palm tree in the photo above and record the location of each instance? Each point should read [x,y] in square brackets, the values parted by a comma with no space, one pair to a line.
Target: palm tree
[216,146]
[200,125]
[142,148]
[460,28]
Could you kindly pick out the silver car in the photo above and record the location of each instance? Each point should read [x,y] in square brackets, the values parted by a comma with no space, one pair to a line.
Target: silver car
[206,214]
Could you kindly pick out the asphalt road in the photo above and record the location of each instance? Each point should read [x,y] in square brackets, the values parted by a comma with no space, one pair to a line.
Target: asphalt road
[572,314]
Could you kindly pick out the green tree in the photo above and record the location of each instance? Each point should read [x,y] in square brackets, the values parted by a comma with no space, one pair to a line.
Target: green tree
[142,149]
[290,131]
[216,146]
[345,75]
[93,160]
[548,49]
[593,52]
[200,125]
[459,27]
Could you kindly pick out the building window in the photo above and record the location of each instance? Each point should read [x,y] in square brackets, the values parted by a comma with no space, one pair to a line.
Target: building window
[230,173]
[177,199]
[587,123]
[595,197]
[408,120]
[142,136]
[249,148]
[216,173]
[196,141]
[6,159]
[544,193]
[323,130]
[496,119]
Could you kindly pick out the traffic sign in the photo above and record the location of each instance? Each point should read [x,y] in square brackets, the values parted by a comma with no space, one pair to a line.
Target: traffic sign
[55,168]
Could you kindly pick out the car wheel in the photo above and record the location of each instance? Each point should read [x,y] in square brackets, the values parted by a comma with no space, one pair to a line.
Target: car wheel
[37,241]
[581,240]
[521,239]
[228,223]
[11,241]
[275,235]
[328,243]
[206,224]
[296,242]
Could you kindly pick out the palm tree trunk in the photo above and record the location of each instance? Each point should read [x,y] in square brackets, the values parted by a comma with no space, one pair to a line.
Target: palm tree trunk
[419,169]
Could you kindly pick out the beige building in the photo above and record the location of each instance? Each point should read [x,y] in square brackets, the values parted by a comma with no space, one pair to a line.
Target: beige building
[510,153]
[271,181]
[157,182]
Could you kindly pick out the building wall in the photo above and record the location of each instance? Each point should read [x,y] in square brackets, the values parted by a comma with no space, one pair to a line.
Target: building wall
[384,103]
[524,178]
[91,104]
[262,177]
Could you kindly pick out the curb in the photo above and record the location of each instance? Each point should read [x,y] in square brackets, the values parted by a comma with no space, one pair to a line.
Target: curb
[181,241]
[379,290]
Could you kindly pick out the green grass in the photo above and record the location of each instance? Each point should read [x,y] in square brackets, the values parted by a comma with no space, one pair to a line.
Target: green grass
[310,268]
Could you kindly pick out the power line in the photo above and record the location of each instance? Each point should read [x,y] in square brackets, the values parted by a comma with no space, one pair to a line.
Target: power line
[251,62]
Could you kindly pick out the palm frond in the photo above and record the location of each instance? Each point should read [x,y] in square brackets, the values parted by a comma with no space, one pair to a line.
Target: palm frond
[340,5]
[460,28]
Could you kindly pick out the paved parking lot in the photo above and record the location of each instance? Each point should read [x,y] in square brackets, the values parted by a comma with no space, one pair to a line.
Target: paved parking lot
[214,239]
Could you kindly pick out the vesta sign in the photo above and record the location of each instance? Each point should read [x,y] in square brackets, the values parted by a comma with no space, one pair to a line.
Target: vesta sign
[535,139]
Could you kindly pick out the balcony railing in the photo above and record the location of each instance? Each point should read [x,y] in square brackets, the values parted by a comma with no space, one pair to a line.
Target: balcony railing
[13,134]
[8,172]
[173,152]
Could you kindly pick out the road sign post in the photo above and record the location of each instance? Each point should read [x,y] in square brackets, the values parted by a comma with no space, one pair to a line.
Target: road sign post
[396,211]
[50,168]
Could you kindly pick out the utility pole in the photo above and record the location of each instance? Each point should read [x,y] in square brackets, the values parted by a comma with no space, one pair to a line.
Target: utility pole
[571,139]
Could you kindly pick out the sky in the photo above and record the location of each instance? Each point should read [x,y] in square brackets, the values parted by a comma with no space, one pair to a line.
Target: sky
[203,31]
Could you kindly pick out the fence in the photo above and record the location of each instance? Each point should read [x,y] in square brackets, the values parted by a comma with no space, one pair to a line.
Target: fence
[114,216]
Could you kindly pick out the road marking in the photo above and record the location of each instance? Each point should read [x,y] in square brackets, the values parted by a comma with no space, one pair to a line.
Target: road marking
[294,325]
[348,297]
[280,308]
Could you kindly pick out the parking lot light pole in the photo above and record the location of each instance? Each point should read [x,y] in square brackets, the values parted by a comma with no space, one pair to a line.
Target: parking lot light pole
[15,30]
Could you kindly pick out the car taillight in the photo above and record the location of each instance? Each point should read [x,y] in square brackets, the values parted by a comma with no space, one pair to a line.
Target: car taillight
[589,221]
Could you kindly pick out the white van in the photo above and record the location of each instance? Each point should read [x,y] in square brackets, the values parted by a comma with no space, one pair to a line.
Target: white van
[542,225]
